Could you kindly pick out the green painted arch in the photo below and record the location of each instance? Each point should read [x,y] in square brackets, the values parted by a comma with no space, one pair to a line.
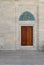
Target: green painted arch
[26,16]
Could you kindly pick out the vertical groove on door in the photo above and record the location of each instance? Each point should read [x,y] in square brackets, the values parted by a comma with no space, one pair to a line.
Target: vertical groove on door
[32,35]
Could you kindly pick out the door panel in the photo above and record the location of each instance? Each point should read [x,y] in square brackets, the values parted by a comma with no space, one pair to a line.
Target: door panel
[29,35]
[26,35]
[23,35]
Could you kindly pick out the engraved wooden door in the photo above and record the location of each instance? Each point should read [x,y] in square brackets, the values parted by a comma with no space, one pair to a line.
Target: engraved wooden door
[26,35]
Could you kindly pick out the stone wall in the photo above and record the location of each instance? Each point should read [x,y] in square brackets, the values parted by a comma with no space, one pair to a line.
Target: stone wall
[41,26]
[7,25]
[8,22]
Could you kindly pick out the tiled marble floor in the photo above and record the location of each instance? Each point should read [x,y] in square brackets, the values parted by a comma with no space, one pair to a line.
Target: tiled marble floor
[21,57]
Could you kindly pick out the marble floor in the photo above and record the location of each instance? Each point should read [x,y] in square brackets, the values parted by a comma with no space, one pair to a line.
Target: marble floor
[21,57]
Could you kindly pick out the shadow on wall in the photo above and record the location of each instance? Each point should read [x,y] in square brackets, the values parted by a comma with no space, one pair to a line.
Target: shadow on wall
[42,46]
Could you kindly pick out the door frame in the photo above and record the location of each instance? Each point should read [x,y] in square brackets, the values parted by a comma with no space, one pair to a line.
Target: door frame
[18,24]
[18,36]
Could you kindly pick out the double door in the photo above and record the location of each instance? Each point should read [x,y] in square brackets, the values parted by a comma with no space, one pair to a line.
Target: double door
[26,35]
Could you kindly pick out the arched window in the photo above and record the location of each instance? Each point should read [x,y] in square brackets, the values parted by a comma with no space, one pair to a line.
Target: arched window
[26,16]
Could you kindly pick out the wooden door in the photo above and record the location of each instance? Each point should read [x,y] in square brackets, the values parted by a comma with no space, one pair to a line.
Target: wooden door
[26,35]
